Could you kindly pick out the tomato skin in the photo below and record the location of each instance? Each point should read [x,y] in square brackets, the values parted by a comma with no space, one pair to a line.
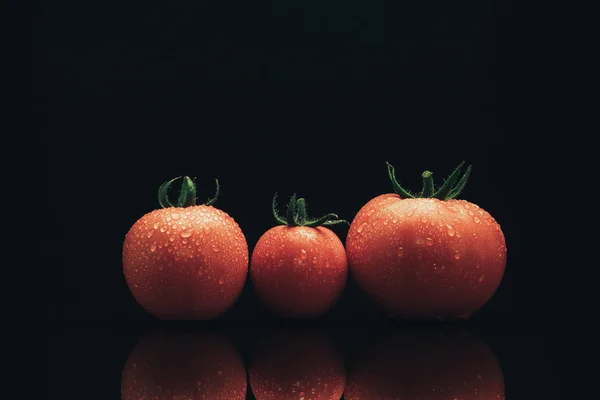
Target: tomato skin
[424,364]
[299,271]
[296,364]
[426,258]
[185,263]
[173,365]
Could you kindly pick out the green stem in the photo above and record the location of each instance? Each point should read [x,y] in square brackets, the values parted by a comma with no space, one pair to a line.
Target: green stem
[397,188]
[446,188]
[290,213]
[296,215]
[187,193]
[427,184]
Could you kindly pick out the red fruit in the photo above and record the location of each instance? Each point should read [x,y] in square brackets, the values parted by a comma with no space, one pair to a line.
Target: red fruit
[167,366]
[299,269]
[185,262]
[426,257]
[294,365]
[429,365]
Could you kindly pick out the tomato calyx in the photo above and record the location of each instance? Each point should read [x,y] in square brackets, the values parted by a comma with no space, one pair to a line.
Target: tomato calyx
[450,189]
[187,193]
[296,215]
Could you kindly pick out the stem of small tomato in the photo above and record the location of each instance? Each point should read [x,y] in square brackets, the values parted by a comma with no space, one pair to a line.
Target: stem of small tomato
[427,184]
[301,211]
[291,212]
[296,215]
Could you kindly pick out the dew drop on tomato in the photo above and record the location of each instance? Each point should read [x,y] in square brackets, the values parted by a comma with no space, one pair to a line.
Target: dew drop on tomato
[303,254]
[361,227]
[451,231]
[186,234]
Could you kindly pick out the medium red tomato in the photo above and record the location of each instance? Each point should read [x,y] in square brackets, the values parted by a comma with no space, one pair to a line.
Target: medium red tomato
[426,256]
[299,268]
[297,364]
[185,262]
[168,365]
[425,364]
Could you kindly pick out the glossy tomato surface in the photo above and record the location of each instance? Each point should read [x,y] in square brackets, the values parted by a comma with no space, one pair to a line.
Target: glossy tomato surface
[299,271]
[185,263]
[426,258]
[297,364]
[180,365]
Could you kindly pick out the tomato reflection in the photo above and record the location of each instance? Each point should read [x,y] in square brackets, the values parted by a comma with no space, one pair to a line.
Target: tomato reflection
[184,366]
[297,364]
[426,365]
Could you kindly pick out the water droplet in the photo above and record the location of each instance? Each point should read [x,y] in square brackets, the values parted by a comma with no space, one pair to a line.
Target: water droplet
[475,236]
[420,241]
[458,221]
[400,251]
[450,230]
[200,272]
[477,220]
[149,234]
[153,247]
[457,234]
[303,254]
[135,285]
[424,220]
[314,260]
[481,279]
[326,263]
[221,281]
[467,206]
[160,267]
[429,241]
[457,254]
[163,228]
[175,215]
[432,223]
[453,209]
[220,373]
[471,212]
[361,227]
[156,224]
[215,249]
[186,234]
[172,238]
[168,218]
[395,220]
[410,213]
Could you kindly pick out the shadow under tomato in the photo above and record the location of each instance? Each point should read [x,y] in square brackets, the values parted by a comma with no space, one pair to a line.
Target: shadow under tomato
[296,363]
[426,363]
[167,364]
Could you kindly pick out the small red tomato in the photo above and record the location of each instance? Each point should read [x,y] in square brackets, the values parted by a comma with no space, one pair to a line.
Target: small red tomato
[297,364]
[176,365]
[299,268]
[428,256]
[429,365]
[185,262]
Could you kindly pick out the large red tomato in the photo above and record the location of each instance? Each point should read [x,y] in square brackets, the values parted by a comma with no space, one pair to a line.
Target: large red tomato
[168,365]
[424,364]
[297,365]
[185,262]
[429,255]
[299,268]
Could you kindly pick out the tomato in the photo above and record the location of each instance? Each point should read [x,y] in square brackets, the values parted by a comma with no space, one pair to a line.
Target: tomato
[299,268]
[425,364]
[426,256]
[297,364]
[175,365]
[185,262]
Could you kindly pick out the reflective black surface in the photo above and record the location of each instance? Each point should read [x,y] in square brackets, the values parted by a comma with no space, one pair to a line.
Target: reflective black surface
[303,361]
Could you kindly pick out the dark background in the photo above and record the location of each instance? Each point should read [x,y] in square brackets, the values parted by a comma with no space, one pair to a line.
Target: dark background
[298,97]
[311,98]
